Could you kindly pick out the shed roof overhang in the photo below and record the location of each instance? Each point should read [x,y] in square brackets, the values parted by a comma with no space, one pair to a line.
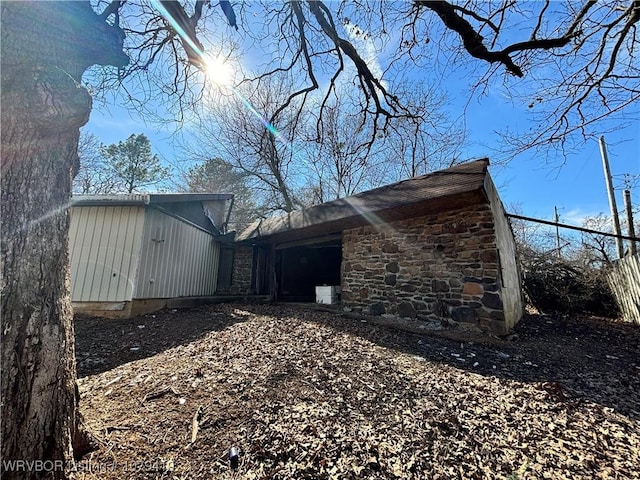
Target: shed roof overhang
[146,198]
[439,191]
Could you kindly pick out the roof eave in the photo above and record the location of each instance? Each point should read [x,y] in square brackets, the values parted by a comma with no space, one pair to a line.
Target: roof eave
[381,202]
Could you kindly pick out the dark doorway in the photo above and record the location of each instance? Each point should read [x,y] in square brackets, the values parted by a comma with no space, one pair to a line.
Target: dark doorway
[301,268]
[260,279]
[225,267]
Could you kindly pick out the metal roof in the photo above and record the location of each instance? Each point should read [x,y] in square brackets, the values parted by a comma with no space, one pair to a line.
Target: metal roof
[146,198]
[441,190]
[192,208]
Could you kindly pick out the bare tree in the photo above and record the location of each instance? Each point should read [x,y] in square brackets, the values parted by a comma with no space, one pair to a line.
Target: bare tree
[94,176]
[344,163]
[577,60]
[429,140]
[570,280]
[534,240]
[596,251]
[259,148]
[335,148]
[573,64]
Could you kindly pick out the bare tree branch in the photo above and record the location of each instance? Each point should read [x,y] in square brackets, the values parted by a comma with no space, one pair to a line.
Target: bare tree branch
[578,61]
[188,37]
[370,82]
[548,43]
[472,40]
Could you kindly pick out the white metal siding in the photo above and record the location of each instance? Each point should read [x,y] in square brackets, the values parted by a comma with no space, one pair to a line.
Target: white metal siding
[178,259]
[104,244]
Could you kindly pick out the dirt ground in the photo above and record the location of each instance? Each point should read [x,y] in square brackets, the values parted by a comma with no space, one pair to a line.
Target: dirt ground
[308,394]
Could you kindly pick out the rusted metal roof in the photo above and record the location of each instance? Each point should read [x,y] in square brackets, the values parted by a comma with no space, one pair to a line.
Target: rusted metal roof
[437,191]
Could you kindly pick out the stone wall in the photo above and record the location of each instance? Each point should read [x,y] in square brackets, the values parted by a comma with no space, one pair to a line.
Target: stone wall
[441,268]
[241,274]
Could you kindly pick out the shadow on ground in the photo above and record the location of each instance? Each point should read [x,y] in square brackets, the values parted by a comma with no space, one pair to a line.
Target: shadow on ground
[581,359]
[576,359]
[103,344]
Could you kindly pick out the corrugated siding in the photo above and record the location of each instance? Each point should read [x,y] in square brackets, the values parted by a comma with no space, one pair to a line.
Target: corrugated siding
[104,243]
[178,259]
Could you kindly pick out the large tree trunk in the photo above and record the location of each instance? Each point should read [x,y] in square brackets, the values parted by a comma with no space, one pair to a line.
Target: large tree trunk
[46,46]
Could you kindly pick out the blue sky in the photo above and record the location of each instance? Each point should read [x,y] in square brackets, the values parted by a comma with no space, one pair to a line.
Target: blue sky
[577,188]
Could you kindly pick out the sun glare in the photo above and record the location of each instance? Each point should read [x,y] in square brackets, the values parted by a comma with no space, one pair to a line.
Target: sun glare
[219,71]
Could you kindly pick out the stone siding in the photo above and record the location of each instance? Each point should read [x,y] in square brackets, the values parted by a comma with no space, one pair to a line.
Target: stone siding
[441,268]
[241,274]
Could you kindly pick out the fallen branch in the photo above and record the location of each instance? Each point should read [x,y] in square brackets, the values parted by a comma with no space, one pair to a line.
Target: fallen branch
[159,393]
[115,380]
[195,423]
[110,429]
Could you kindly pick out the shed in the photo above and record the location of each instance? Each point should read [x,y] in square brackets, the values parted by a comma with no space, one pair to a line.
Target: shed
[437,248]
[136,253]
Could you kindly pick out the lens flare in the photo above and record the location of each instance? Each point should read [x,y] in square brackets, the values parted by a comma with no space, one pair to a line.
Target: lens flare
[218,71]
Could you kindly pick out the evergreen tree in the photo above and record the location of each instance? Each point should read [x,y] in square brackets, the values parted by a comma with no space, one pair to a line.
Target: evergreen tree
[133,164]
[219,176]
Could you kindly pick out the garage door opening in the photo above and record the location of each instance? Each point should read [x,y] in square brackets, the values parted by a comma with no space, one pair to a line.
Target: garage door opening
[301,268]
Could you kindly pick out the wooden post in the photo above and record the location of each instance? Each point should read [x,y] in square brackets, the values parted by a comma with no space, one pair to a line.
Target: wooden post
[612,197]
[630,227]
[274,287]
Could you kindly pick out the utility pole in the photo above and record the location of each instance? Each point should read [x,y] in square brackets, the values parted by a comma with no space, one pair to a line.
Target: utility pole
[557,219]
[630,228]
[612,197]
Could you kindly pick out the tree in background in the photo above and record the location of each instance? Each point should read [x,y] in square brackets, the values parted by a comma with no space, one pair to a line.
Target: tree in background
[133,165]
[429,140]
[219,176]
[94,177]
[570,279]
[570,65]
[342,163]
[332,155]
[335,147]
[596,251]
[261,150]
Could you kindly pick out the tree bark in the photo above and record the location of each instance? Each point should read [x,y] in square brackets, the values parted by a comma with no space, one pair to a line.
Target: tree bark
[46,47]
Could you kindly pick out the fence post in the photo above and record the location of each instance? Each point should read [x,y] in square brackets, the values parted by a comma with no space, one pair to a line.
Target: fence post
[630,228]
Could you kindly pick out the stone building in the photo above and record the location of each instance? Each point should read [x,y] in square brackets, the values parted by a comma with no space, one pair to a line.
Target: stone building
[437,248]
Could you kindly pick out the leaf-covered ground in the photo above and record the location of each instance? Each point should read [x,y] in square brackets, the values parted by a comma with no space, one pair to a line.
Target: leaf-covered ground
[309,394]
